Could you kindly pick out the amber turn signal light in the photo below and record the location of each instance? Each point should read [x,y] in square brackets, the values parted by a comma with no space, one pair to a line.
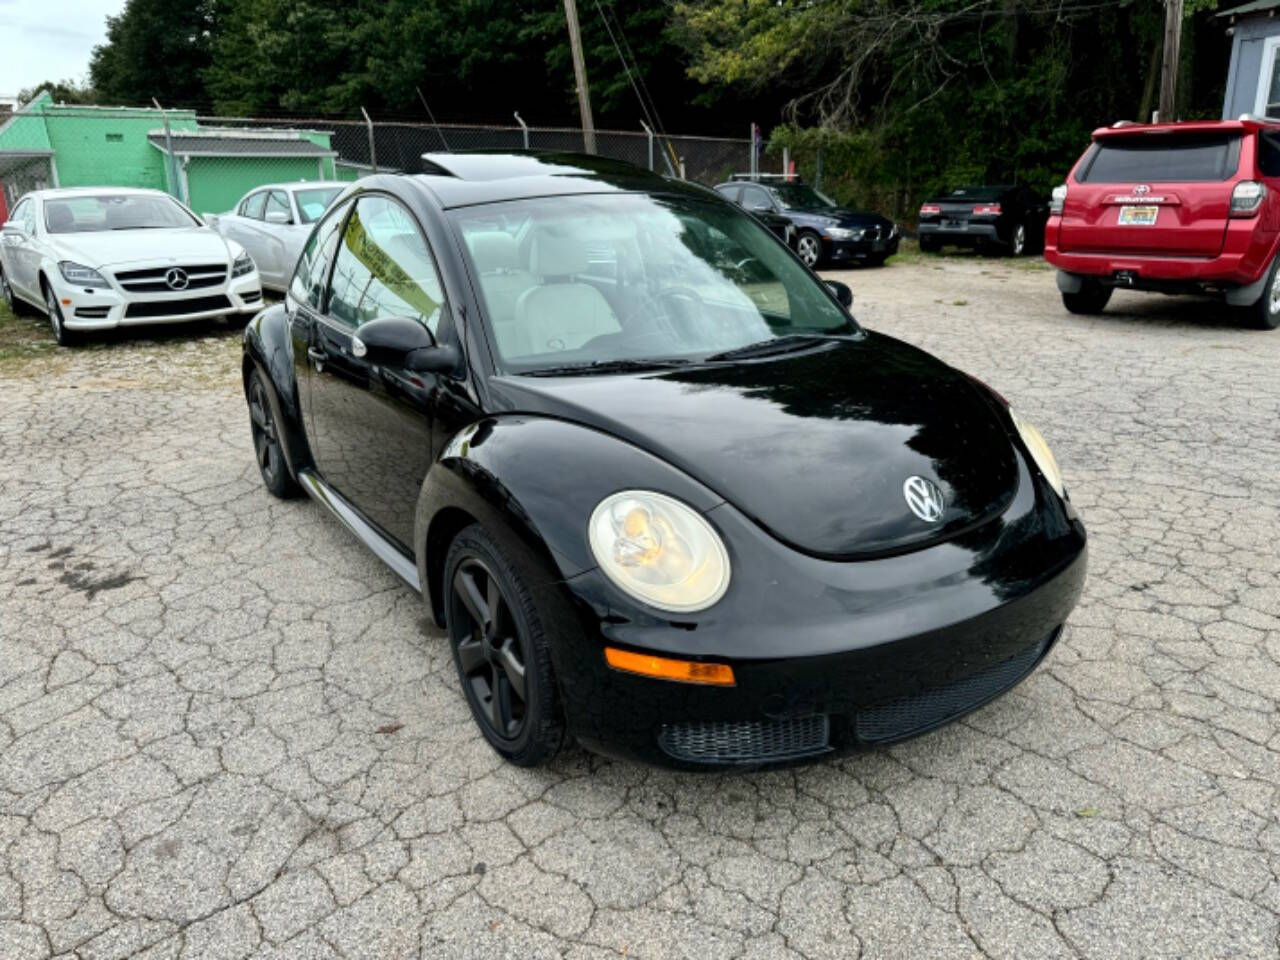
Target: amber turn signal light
[665,668]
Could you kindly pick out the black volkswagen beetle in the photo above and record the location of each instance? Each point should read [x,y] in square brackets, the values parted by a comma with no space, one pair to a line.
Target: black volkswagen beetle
[661,490]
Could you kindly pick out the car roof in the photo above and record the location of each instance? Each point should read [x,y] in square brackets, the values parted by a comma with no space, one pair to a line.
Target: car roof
[55,193]
[1246,123]
[300,185]
[464,179]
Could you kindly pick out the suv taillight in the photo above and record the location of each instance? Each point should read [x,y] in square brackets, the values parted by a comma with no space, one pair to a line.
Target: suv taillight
[1058,200]
[987,210]
[930,210]
[1247,197]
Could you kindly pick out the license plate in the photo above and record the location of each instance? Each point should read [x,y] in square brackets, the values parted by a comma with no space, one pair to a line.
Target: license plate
[954,224]
[1138,216]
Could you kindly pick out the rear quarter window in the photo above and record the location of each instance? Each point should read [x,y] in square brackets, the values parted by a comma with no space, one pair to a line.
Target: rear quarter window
[1269,154]
[1159,158]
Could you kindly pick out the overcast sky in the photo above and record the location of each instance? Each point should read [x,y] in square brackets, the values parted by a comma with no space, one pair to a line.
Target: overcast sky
[49,39]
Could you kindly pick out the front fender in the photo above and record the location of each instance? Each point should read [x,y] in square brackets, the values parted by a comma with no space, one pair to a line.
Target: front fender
[532,482]
[268,344]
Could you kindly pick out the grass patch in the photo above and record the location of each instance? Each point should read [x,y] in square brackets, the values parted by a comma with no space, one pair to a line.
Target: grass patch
[910,254]
[23,341]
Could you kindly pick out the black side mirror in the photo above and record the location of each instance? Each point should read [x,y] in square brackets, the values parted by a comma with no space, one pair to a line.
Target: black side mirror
[405,343]
[842,292]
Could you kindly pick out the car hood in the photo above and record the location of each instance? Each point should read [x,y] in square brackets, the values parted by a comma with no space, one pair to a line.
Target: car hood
[845,218]
[816,446]
[119,248]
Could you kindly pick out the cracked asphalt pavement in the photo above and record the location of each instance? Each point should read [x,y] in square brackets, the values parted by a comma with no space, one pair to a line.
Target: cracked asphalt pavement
[227,731]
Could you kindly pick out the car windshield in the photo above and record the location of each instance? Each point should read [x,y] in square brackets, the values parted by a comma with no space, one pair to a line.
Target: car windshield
[801,196]
[314,202]
[94,212]
[595,280]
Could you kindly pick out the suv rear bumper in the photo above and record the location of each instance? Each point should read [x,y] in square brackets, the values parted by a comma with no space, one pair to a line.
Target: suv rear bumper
[968,234]
[1243,261]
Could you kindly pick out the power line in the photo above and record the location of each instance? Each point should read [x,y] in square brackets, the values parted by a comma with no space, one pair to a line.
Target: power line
[432,117]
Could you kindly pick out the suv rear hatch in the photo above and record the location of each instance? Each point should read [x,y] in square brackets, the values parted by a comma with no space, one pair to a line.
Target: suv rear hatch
[1163,192]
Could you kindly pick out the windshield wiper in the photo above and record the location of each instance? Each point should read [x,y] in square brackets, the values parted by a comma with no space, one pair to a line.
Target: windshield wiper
[607,366]
[767,348]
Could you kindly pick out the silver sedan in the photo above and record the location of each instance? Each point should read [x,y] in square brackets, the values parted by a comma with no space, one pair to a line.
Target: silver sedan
[273,222]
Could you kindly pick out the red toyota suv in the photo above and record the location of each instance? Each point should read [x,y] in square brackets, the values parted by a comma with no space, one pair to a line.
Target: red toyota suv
[1172,208]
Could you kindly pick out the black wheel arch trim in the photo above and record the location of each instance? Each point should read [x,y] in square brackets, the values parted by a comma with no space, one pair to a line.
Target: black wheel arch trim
[268,347]
[515,475]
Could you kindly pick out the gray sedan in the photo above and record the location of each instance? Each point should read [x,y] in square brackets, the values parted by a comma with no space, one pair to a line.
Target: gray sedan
[273,222]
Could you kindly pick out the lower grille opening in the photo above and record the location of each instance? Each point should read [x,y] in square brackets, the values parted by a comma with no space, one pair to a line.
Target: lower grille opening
[918,712]
[177,308]
[746,741]
[92,313]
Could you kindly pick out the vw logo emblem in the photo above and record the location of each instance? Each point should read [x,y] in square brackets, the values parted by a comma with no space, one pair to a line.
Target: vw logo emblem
[176,279]
[924,498]
[1142,189]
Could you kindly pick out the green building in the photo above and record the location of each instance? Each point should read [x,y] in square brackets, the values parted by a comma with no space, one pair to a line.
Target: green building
[45,144]
[211,169]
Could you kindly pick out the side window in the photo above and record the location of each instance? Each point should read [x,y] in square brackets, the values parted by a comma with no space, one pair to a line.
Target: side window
[754,198]
[383,268]
[729,191]
[309,277]
[277,202]
[20,215]
[252,207]
[1269,154]
[29,218]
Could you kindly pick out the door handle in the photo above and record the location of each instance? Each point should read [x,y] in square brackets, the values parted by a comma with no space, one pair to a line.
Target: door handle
[316,354]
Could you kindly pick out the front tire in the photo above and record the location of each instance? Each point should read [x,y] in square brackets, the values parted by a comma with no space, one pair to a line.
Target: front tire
[65,337]
[1090,299]
[1265,313]
[500,650]
[809,249]
[268,450]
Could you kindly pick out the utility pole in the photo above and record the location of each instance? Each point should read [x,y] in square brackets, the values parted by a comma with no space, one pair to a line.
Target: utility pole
[1169,74]
[580,75]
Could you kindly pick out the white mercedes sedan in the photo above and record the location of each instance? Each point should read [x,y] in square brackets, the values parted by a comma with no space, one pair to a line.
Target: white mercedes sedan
[273,223]
[95,258]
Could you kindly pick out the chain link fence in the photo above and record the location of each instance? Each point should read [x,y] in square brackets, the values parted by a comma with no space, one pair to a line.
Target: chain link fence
[210,163]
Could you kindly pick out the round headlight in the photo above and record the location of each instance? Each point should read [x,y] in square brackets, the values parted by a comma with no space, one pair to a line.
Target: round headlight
[659,550]
[1040,452]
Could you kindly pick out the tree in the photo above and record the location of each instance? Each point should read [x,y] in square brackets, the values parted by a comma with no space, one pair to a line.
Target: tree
[914,96]
[154,48]
[62,91]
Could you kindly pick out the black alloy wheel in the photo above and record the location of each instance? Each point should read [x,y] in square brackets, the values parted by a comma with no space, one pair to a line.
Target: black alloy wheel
[500,651]
[267,449]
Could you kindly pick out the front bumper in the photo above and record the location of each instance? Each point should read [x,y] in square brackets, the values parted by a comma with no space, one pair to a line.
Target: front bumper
[827,656]
[965,233]
[845,251]
[106,309]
